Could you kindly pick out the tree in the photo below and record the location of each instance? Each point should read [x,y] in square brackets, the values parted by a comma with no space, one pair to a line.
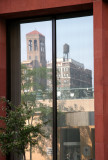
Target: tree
[33,83]
[33,87]
[16,134]
[20,131]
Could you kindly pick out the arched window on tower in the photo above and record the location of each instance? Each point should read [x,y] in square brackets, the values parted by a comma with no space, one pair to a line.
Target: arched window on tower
[30,45]
[42,46]
[35,45]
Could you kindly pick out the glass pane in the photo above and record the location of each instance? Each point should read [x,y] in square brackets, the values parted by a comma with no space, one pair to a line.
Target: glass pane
[36,86]
[75,89]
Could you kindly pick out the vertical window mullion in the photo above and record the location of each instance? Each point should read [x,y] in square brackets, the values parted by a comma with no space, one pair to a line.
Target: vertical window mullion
[54,79]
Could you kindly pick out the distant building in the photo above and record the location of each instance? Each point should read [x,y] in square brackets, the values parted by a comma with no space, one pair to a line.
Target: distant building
[36,47]
[71,74]
[36,56]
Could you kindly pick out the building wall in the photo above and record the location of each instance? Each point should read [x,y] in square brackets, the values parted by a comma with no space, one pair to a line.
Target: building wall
[101,79]
[10,6]
[25,8]
[71,74]
[2,66]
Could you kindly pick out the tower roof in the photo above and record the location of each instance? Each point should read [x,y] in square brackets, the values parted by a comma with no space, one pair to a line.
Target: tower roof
[34,32]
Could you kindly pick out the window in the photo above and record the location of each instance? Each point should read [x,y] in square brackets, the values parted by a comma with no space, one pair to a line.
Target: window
[42,48]
[36,58]
[39,87]
[30,45]
[35,45]
[71,99]
[75,127]
[66,69]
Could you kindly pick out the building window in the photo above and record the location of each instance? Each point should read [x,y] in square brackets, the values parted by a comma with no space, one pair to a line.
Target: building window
[70,98]
[43,49]
[42,46]
[74,92]
[36,58]
[35,45]
[66,69]
[30,45]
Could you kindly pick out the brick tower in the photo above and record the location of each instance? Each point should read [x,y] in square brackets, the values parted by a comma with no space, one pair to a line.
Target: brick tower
[36,47]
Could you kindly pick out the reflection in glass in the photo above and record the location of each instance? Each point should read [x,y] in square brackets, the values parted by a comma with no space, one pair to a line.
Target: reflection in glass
[75,89]
[36,94]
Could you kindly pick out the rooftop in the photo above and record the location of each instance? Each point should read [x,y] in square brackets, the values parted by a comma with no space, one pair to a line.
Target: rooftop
[35,32]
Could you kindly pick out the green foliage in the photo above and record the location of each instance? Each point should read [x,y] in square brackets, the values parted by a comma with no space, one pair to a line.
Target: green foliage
[17,133]
[20,131]
[33,83]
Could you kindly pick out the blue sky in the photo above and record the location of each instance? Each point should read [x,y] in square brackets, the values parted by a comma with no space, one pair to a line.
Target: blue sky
[78,33]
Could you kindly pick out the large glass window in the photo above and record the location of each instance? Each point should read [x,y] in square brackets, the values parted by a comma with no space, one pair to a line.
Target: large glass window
[36,84]
[75,89]
[57,80]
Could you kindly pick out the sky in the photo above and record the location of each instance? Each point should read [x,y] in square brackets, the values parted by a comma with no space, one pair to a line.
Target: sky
[77,32]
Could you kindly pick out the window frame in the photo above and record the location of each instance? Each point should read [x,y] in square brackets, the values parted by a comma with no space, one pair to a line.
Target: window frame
[10,39]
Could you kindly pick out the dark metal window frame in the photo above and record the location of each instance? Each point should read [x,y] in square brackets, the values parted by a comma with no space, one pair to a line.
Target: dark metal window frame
[11,77]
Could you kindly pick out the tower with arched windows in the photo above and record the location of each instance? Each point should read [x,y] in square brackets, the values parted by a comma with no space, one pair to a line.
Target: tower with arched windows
[36,47]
